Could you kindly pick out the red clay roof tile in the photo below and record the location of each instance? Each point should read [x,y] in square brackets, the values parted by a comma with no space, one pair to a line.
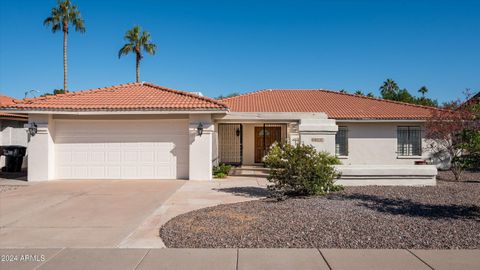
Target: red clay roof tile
[124,97]
[6,100]
[336,105]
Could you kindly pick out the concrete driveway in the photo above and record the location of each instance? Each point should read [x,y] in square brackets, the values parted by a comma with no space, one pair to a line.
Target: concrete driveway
[79,213]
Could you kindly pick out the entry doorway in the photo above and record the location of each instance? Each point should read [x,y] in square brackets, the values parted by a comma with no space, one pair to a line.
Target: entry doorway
[264,137]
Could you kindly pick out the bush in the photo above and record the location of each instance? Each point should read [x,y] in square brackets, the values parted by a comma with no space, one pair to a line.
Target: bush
[301,170]
[221,171]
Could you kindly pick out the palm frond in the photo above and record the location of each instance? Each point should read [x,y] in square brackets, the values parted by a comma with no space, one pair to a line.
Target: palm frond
[63,14]
[150,48]
[133,34]
[126,49]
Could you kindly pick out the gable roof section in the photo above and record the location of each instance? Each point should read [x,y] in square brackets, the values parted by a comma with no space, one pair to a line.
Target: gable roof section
[124,97]
[6,100]
[336,105]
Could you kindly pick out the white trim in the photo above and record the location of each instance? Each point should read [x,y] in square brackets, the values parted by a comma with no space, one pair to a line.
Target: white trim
[410,157]
[379,121]
[114,112]
[259,116]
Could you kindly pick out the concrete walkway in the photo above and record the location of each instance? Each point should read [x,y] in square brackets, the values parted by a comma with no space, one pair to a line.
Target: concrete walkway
[191,196]
[241,259]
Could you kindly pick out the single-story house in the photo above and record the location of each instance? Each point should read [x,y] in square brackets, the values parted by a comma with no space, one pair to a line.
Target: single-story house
[145,131]
[12,131]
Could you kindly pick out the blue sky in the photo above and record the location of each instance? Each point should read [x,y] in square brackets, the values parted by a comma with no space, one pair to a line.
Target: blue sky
[219,47]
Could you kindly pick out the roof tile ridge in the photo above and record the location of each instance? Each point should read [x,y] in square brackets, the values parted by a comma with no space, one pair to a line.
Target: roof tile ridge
[249,93]
[185,93]
[340,93]
[385,100]
[74,93]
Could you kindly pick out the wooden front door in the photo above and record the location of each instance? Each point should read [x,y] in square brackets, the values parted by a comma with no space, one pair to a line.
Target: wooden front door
[264,138]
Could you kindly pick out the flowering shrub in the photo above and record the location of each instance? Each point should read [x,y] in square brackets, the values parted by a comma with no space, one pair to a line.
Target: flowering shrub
[301,170]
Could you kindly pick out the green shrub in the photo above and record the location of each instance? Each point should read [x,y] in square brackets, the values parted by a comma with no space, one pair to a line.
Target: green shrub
[221,171]
[301,170]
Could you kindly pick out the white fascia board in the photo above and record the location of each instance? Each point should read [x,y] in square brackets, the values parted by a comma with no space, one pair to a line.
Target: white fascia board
[274,116]
[114,112]
[379,121]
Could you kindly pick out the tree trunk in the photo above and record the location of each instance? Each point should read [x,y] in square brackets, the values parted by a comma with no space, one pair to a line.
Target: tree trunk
[457,173]
[65,85]
[138,67]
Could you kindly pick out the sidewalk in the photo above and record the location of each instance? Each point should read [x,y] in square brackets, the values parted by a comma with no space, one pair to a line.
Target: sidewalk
[241,259]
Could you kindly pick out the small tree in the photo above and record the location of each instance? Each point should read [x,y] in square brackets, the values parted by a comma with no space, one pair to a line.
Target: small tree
[455,132]
[301,170]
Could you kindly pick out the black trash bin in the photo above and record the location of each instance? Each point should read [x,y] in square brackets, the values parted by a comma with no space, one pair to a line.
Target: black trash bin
[14,157]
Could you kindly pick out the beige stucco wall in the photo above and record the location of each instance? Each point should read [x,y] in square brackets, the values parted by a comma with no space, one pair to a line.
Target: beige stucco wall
[376,143]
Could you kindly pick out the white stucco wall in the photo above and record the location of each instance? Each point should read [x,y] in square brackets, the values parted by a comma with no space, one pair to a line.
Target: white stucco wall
[376,143]
[201,147]
[320,133]
[41,149]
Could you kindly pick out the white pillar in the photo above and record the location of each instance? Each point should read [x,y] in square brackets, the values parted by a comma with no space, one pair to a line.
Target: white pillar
[320,133]
[201,147]
[41,149]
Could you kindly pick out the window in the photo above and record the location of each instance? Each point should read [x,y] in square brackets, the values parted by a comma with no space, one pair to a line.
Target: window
[341,142]
[409,141]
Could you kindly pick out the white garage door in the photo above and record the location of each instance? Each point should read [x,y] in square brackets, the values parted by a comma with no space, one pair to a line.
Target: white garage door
[121,149]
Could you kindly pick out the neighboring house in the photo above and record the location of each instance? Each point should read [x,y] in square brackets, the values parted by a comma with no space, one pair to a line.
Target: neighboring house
[144,131]
[474,100]
[12,131]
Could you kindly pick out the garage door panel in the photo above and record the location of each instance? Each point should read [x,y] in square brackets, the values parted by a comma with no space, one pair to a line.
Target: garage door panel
[154,149]
[97,172]
[113,172]
[147,156]
[98,157]
[80,157]
[114,156]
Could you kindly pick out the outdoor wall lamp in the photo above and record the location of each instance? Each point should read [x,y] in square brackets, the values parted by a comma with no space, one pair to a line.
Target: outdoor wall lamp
[200,129]
[32,129]
[237,132]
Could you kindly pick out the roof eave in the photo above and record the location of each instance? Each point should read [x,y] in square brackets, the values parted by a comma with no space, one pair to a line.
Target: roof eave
[110,111]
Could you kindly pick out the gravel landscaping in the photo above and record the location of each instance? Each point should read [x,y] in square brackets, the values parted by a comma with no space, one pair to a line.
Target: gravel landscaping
[465,177]
[443,217]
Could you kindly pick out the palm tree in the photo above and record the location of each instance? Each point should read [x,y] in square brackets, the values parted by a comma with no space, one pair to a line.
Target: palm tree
[60,18]
[389,86]
[359,93]
[423,90]
[137,40]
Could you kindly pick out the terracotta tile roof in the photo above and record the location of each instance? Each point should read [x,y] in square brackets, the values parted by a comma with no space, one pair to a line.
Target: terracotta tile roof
[336,105]
[124,97]
[6,100]
[14,115]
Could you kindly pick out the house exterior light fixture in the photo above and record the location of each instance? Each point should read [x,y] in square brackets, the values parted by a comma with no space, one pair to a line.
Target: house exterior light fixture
[32,129]
[200,129]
